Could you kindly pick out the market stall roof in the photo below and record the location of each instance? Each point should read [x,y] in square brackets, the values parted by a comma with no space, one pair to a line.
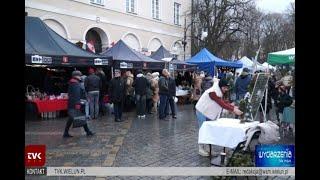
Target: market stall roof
[207,61]
[126,57]
[246,62]
[161,53]
[282,57]
[43,46]
[183,66]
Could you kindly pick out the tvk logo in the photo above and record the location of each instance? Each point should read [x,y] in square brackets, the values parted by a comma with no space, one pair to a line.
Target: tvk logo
[35,155]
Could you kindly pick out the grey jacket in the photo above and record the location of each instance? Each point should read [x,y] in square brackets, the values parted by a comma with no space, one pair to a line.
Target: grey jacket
[163,86]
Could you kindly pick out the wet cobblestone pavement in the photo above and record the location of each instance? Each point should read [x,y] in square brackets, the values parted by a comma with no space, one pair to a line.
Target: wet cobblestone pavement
[135,142]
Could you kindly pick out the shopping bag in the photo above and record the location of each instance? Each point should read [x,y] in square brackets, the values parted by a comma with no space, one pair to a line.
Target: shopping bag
[78,119]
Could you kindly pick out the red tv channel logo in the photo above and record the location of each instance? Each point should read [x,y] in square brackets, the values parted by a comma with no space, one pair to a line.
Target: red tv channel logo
[35,155]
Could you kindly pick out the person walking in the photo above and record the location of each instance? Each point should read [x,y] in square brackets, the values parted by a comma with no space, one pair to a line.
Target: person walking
[207,82]
[75,93]
[117,94]
[140,87]
[210,106]
[93,85]
[164,93]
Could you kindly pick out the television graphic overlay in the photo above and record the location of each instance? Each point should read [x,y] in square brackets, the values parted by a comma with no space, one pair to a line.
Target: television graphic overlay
[275,156]
[35,159]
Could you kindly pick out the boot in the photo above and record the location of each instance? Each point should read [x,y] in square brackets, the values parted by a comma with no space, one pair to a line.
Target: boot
[202,151]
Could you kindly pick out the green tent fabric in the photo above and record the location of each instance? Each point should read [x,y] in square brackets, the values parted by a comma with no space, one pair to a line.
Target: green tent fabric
[282,57]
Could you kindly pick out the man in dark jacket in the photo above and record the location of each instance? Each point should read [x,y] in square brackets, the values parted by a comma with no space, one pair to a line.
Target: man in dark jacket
[102,90]
[242,83]
[117,94]
[164,93]
[92,85]
[140,87]
[75,93]
[171,96]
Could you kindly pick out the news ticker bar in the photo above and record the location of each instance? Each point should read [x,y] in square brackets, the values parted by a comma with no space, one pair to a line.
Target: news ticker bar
[162,171]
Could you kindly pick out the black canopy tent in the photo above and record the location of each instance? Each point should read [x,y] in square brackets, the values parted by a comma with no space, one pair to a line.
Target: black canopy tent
[125,57]
[162,52]
[43,46]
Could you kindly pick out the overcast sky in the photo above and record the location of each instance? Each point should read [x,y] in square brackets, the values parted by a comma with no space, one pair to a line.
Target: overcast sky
[278,6]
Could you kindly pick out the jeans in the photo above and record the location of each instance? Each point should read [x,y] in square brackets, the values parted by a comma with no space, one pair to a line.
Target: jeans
[86,106]
[118,108]
[201,118]
[170,101]
[93,98]
[141,104]
[162,106]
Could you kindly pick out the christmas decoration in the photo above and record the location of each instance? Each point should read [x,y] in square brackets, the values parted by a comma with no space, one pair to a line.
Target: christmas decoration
[246,108]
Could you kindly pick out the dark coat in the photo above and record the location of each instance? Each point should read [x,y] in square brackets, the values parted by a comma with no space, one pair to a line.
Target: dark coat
[163,86]
[117,90]
[92,83]
[242,83]
[103,79]
[284,100]
[75,93]
[172,86]
[140,85]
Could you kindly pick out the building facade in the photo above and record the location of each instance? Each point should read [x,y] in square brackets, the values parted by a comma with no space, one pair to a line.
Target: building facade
[143,24]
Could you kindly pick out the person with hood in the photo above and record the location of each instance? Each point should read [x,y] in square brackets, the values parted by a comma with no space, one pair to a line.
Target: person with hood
[207,82]
[93,85]
[211,104]
[117,94]
[155,88]
[140,86]
[242,83]
[164,93]
[75,93]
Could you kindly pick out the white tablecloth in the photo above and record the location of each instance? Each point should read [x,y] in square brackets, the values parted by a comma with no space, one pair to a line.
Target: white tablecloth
[182,92]
[224,132]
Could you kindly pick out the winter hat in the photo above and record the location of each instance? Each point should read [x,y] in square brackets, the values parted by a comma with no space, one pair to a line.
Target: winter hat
[223,82]
[76,73]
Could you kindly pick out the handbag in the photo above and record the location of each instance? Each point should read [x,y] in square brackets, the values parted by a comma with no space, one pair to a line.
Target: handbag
[78,119]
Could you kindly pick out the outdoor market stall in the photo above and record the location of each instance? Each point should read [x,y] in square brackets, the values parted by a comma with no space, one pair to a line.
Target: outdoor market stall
[45,49]
[286,57]
[206,61]
[125,57]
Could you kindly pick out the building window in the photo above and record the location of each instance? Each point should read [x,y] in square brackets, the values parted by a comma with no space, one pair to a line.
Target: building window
[156,9]
[130,6]
[98,2]
[177,13]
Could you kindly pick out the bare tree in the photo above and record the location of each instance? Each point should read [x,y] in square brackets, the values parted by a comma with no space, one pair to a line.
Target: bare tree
[222,19]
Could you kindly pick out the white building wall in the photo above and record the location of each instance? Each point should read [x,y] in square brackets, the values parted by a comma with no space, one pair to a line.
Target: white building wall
[73,18]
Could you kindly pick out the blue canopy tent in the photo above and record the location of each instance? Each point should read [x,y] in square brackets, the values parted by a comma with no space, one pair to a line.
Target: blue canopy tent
[206,61]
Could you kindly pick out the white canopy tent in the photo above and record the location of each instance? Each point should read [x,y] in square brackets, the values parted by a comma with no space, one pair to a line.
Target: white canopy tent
[247,63]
